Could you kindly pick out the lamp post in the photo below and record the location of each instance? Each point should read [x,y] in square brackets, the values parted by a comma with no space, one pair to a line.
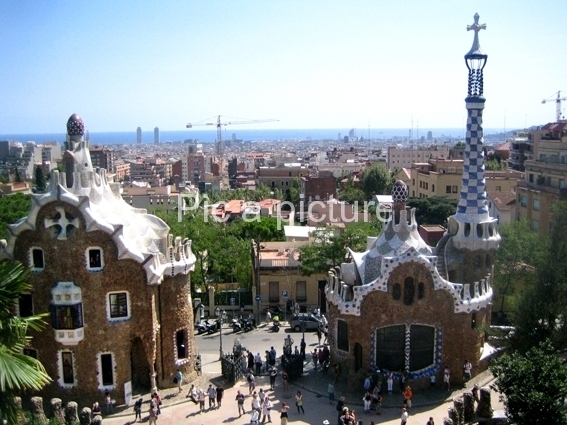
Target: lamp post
[221,315]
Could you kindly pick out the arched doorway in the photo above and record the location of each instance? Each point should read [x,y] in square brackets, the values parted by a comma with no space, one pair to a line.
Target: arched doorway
[140,366]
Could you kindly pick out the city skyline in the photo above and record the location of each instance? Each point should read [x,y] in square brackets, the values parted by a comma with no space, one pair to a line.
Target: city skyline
[310,65]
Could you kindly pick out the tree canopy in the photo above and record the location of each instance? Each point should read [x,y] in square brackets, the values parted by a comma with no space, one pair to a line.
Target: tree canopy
[18,372]
[376,180]
[534,385]
[433,210]
[12,208]
[329,245]
[542,308]
[515,263]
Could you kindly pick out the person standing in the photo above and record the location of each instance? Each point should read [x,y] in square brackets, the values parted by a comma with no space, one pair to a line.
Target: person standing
[319,335]
[178,379]
[255,403]
[408,394]
[273,375]
[212,394]
[157,399]
[261,395]
[285,378]
[331,391]
[339,408]
[220,393]
[268,317]
[299,402]
[272,355]
[367,399]
[153,416]
[266,409]
[138,410]
[430,422]
[258,363]
[467,370]
[302,348]
[404,417]
[283,414]
[201,397]
[447,378]
[390,382]
[240,403]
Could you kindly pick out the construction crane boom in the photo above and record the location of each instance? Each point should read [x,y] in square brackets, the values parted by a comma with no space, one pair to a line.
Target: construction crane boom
[557,101]
[220,124]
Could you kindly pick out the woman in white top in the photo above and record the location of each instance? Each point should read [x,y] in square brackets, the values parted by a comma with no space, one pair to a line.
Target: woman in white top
[266,408]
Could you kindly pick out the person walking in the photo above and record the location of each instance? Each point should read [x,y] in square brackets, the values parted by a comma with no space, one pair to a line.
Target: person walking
[240,403]
[178,379]
[266,409]
[251,383]
[283,414]
[220,393]
[319,335]
[302,346]
[404,417]
[299,402]
[261,395]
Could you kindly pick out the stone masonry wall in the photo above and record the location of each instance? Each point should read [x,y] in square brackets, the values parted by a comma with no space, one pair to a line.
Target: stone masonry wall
[459,340]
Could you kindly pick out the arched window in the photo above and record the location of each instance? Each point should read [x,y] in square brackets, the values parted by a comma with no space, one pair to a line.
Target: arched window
[409,290]
[420,290]
[357,357]
[396,291]
[342,335]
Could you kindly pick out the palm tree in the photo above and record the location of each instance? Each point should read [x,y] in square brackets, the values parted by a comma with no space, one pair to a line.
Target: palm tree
[18,372]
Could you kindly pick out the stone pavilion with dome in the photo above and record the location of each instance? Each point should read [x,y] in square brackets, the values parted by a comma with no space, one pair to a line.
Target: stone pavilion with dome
[112,280]
[403,306]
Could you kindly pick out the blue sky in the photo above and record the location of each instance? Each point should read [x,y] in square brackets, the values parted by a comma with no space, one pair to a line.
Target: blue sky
[310,64]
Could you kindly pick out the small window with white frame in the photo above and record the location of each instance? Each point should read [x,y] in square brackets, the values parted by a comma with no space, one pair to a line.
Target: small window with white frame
[95,259]
[118,306]
[36,259]
[66,365]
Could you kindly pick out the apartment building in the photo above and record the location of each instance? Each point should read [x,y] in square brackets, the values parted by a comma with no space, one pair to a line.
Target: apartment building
[442,177]
[545,175]
[521,145]
[400,157]
[280,177]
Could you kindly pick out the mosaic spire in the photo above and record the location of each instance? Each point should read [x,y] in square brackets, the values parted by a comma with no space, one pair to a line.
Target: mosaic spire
[473,205]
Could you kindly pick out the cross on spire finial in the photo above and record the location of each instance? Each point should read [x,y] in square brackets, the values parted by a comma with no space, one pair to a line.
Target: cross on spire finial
[475,49]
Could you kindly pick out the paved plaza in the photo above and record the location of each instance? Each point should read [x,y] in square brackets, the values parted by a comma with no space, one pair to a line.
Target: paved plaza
[177,408]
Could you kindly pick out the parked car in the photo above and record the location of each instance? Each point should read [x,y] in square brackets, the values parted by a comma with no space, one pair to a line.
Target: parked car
[311,323]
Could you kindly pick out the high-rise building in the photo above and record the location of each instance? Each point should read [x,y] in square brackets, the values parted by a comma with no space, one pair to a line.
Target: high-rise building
[156,136]
[139,136]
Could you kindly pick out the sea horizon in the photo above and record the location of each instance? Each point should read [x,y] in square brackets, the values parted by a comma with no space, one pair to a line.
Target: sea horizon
[209,136]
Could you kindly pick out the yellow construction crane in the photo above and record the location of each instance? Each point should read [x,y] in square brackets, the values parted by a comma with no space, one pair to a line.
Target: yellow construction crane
[220,124]
[557,101]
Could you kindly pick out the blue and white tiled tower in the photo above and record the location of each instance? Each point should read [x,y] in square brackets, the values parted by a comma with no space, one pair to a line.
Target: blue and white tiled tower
[471,229]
